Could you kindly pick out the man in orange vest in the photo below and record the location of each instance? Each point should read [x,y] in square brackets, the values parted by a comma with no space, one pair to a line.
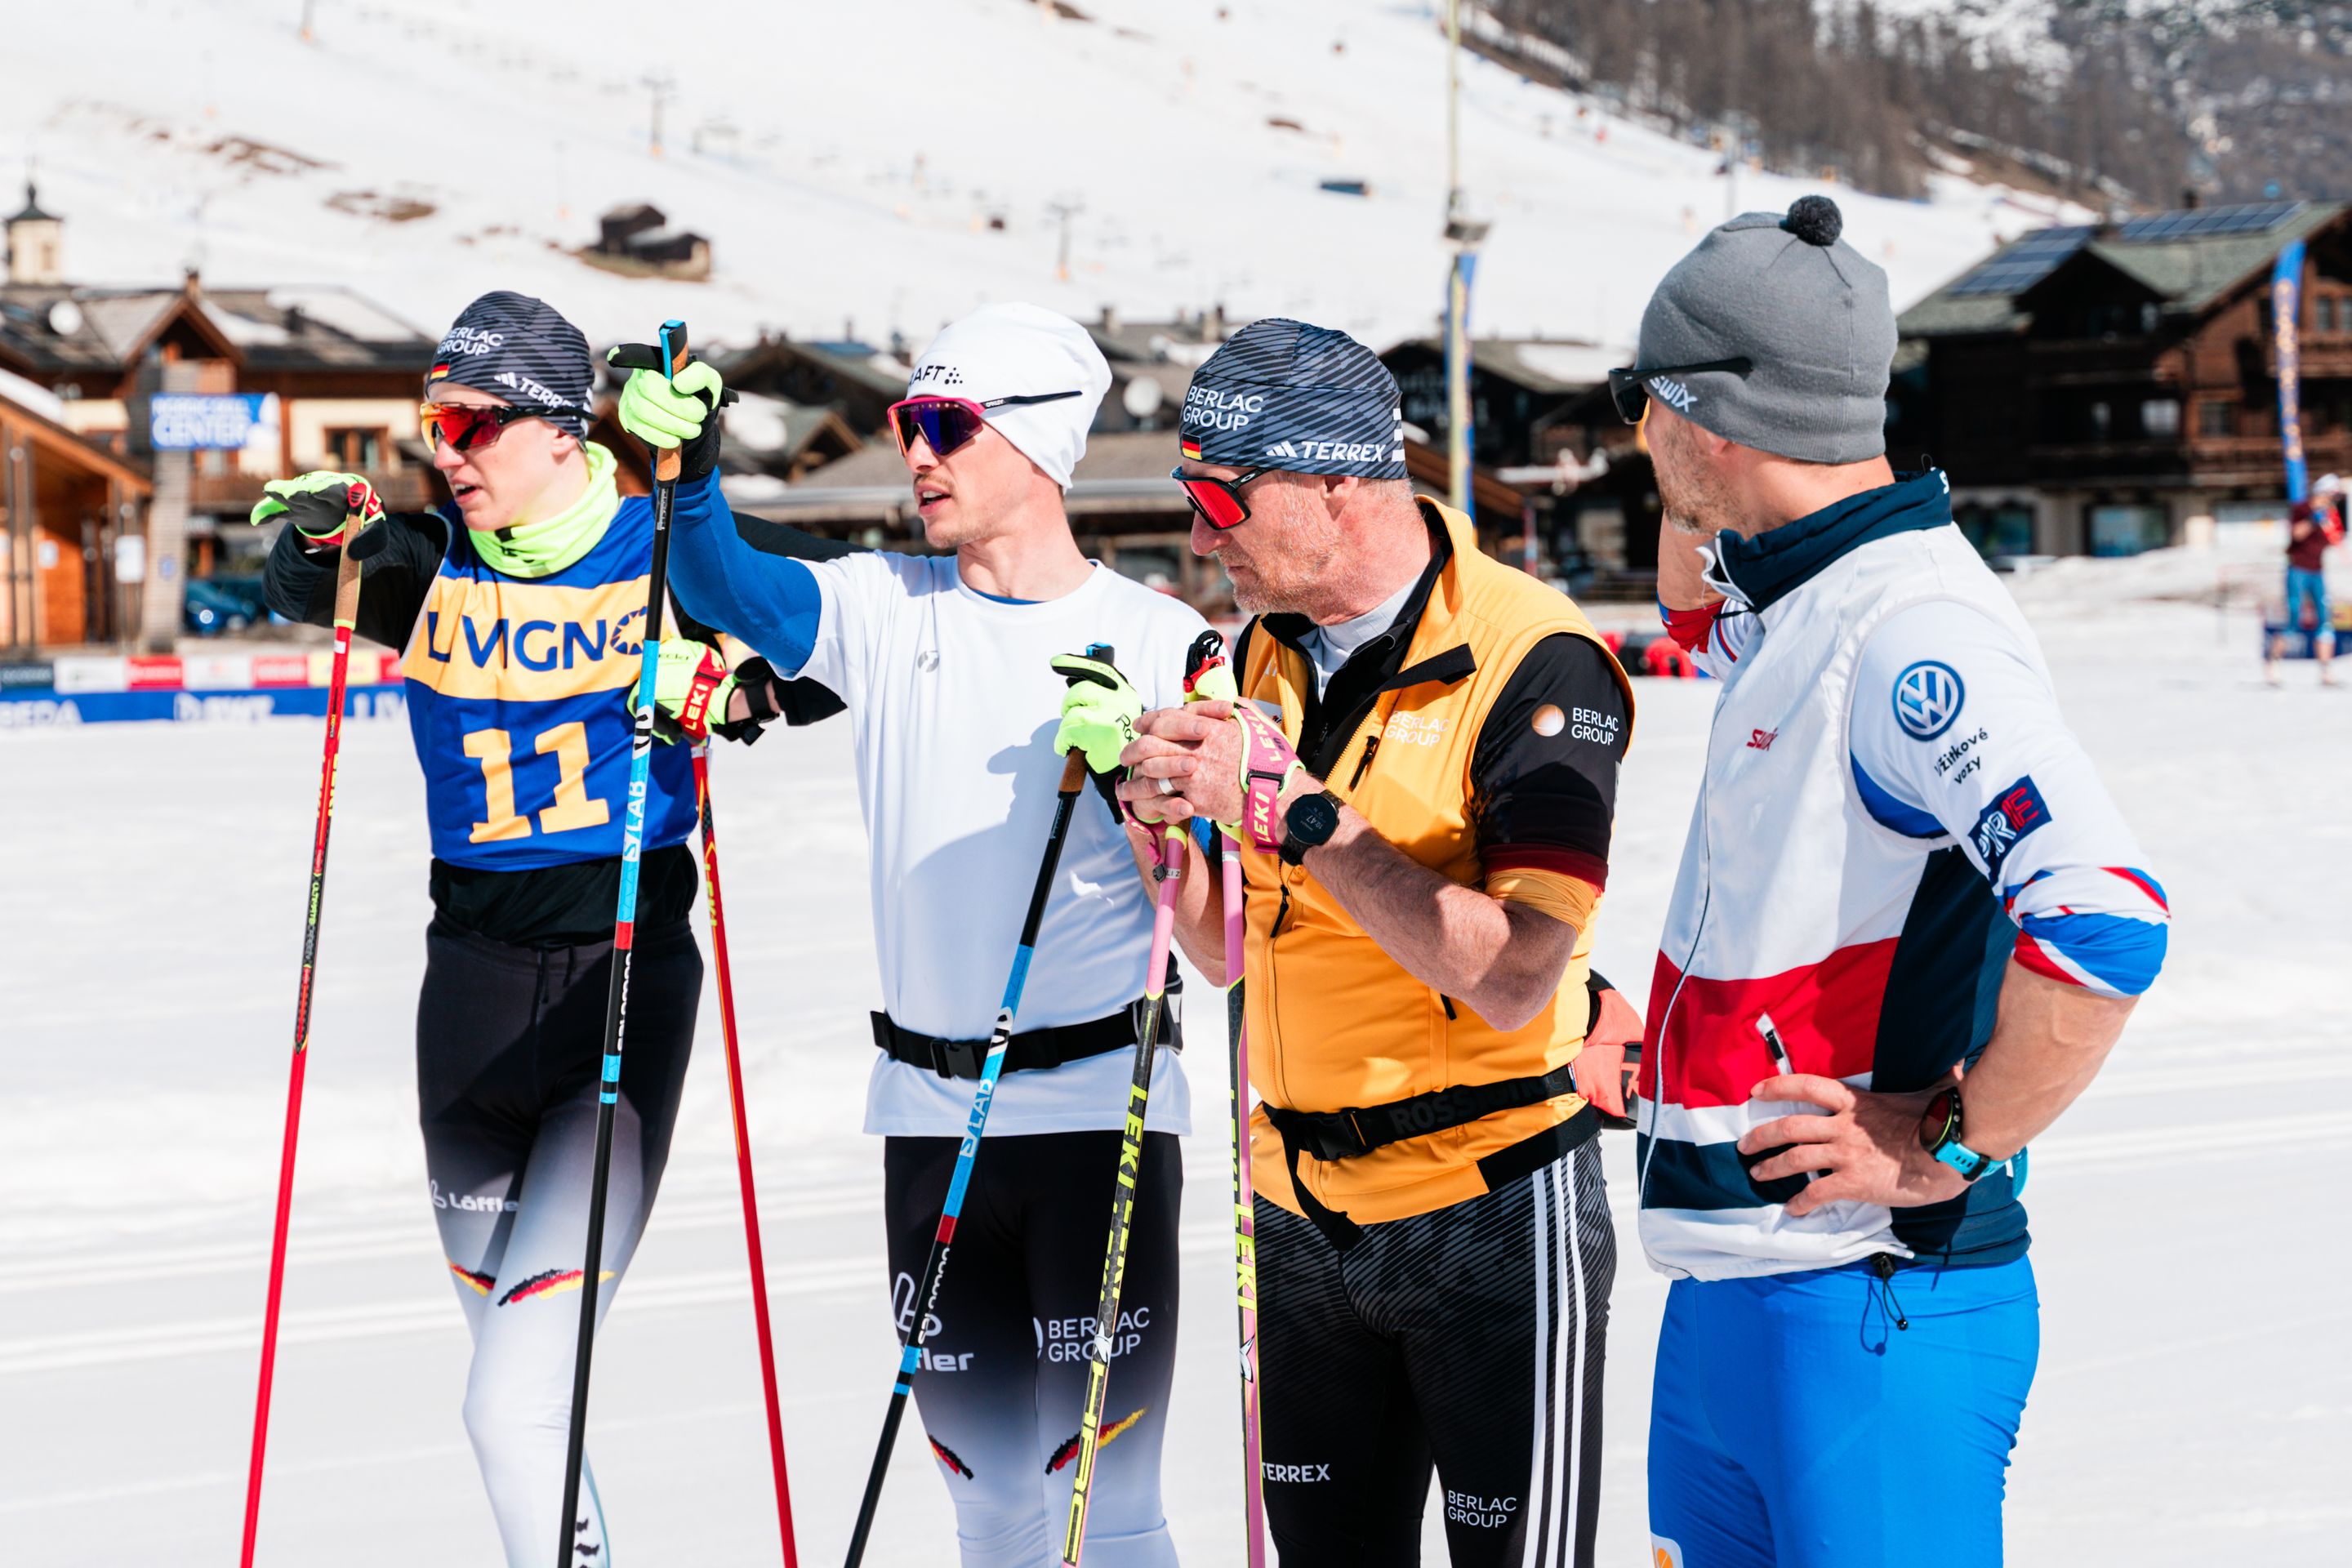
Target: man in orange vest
[1423,772]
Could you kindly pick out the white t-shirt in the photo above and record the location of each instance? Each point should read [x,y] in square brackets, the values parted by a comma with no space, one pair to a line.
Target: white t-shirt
[954,709]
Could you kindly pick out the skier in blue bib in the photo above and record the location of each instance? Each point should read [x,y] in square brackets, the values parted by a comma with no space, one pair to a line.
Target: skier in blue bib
[518,610]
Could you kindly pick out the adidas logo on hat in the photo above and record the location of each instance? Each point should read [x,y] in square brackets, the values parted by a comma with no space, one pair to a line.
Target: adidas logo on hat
[1282,449]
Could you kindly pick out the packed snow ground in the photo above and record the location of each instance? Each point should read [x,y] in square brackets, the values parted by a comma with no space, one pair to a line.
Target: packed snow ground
[849,167]
[2194,1403]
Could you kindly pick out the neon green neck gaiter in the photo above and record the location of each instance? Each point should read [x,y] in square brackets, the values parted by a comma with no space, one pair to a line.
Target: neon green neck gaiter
[545,548]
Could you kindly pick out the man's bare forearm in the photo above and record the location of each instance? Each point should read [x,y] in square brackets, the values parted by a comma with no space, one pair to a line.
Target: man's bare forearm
[2048,1044]
[1502,961]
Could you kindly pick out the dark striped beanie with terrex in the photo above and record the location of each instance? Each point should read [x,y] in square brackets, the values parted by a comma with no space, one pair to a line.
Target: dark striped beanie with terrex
[521,349]
[1283,395]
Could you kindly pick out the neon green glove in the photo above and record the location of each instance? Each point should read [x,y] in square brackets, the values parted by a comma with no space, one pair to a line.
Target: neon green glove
[1098,712]
[692,687]
[323,505]
[663,413]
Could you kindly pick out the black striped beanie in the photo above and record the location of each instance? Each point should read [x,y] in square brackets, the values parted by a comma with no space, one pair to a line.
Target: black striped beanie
[1283,395]
[521,349]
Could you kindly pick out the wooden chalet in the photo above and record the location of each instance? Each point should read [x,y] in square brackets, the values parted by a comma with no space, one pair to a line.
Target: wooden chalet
[857,381]
[2105,388]
[65,505]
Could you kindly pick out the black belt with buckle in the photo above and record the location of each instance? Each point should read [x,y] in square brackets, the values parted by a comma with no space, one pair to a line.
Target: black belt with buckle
[1032,1049]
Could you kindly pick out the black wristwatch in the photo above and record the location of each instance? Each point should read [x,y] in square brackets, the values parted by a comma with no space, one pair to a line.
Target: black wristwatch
[1311,820]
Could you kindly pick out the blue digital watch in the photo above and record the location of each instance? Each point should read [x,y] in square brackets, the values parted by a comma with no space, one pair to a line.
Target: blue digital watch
[1939,1134]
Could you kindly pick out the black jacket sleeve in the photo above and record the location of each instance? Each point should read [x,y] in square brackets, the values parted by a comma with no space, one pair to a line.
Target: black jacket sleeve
[1545,773]
[398,558]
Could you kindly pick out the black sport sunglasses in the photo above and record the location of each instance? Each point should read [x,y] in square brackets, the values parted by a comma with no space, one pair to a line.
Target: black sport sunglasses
[1629,385]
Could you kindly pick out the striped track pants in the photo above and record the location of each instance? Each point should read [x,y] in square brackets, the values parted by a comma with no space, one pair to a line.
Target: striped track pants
[1468,1340]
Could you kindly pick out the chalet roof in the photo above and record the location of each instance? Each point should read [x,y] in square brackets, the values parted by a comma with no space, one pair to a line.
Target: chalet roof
[771,428]
[874,370]
[2190,260]
[1547,366]
[296,327]
[1188,340]
[35,410]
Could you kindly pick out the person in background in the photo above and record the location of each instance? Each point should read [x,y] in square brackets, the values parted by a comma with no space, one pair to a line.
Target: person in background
[2313,524]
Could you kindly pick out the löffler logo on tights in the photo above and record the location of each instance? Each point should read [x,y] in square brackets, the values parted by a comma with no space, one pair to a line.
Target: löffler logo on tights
[902,1313]
[472,1203]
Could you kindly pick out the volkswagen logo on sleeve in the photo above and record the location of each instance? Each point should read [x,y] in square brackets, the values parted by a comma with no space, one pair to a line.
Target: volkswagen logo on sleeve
[1927,698]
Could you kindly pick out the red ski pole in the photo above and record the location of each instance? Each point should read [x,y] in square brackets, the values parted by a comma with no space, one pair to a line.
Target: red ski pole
[743,1154]
[347,612]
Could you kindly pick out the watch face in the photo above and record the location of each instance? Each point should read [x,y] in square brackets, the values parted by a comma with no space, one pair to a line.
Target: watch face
[1935,1123]
[1312,819]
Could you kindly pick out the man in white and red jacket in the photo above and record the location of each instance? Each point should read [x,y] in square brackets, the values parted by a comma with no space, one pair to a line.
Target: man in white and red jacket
[1902,870]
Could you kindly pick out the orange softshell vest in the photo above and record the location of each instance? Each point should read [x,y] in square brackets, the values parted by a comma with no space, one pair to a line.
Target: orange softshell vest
[1334,1022]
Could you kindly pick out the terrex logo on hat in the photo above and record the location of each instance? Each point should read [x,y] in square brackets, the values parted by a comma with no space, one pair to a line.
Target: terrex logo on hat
[1304,398]
[522,350]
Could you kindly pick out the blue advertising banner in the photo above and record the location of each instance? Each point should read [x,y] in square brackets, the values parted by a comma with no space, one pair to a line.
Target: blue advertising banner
[189,421]
[32,708]
[2286,308]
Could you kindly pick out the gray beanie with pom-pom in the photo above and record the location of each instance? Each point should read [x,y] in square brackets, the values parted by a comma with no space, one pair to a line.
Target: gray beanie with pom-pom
[1806,312]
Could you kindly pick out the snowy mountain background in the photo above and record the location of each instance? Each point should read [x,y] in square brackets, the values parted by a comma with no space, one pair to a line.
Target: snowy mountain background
[861,172]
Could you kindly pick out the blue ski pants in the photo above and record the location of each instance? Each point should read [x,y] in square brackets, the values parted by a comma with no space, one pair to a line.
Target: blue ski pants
[1793,1425]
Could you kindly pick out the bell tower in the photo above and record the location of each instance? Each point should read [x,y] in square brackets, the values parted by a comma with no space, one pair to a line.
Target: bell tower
[35,244]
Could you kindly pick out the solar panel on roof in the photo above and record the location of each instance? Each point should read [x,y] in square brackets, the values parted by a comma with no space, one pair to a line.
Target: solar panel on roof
[2251,217]
[2025,263]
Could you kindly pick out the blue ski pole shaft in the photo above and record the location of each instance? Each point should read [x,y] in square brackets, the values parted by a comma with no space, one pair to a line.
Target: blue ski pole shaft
[617,1001]
[1073,781]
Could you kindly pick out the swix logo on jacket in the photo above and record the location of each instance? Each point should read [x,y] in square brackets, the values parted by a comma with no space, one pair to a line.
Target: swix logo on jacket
[1864,876]
[518,702]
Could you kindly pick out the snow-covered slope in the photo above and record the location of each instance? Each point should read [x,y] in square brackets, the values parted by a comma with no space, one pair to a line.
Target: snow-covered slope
[851,163]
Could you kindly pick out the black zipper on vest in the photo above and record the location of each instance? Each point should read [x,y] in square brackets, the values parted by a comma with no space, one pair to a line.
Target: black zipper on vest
[1280,911]
[1371,744]
[1450,1012]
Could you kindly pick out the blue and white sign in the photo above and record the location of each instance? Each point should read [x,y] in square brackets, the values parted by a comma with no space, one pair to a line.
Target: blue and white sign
[192,422]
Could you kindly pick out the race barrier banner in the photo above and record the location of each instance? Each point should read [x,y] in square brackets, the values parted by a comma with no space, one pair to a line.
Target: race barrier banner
[201,688]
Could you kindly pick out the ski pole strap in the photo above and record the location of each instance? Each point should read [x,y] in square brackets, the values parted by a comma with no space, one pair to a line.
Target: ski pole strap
[1031,1050]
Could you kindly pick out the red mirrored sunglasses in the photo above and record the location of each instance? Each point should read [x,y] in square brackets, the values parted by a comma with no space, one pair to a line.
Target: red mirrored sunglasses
[947,423]
[468,427]
[1219,501]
